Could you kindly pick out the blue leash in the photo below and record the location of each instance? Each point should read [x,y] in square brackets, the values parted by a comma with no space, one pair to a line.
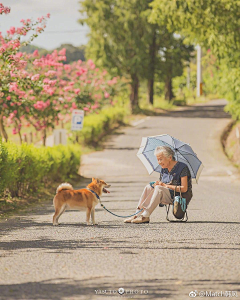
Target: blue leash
[109,210]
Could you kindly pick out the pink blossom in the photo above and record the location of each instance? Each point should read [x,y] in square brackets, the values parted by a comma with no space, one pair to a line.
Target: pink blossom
[76,91]
[14,131]
[50,73]
[35,53]
[62,52]
[67,88]
[13,87]
[52,82]
[95,106]
[74,106]
[40,105]
[8,98]
[35,77]
[46,80]
[11,31]
[106,95]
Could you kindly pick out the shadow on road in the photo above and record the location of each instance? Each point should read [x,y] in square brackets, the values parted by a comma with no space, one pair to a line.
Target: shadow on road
[203,111]
[106,288]
[100,243]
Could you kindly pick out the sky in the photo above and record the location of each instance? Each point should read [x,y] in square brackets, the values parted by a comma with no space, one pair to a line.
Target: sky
[62,27]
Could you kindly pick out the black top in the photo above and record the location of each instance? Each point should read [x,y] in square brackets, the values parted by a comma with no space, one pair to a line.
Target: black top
[174,177]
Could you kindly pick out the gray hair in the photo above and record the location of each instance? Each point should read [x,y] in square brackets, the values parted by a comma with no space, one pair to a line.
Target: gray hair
[167,151]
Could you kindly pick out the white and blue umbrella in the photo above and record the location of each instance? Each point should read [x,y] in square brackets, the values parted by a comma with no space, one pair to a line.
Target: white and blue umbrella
[183,153]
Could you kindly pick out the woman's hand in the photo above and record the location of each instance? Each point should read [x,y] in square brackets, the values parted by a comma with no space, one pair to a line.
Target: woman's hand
[159,183]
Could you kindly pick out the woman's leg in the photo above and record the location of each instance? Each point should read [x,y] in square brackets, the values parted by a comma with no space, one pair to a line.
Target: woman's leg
[144,200]
[145,197]
[160,195]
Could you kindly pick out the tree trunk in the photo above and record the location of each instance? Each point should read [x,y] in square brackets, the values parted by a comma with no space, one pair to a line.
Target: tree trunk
[168,89]
[134,93]
[44,137]
[150,90]
[2,129]
[20,136]
[152,53]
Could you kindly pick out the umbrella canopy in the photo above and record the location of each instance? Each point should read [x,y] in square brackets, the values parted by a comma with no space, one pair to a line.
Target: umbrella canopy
[183,153]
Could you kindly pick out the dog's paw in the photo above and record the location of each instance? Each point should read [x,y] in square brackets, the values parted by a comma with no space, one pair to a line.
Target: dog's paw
[55,224]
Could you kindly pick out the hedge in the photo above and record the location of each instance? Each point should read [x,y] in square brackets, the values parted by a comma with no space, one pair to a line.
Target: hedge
[25,168]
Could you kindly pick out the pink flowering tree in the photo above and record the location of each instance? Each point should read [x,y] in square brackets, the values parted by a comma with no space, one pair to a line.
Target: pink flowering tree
[91,88]
[41,91]
[14,79]
[46,99]
[64,88]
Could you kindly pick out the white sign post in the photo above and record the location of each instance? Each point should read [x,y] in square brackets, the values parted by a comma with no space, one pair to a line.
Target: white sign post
[60,136]
[77,119]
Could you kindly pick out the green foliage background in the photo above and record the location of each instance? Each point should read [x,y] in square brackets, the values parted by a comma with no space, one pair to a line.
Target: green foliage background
[214,25]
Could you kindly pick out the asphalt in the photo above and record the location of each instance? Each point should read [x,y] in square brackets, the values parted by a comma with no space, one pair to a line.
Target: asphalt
[159,260]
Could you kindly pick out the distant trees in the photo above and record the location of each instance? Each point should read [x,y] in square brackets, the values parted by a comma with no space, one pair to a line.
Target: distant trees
[172,56]
[123,41]
[72,53]
[118,38]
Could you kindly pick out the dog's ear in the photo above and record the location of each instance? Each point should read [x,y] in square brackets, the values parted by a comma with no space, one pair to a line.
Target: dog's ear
[93,179]
[98,181]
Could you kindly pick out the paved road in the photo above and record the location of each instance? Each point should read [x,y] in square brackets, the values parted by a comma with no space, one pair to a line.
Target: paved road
[159,260]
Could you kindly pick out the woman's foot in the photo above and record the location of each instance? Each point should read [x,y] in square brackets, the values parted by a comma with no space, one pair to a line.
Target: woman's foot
[129,220]
[141,219]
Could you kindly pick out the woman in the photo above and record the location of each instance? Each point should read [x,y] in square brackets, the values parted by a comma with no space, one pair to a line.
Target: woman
[174,175]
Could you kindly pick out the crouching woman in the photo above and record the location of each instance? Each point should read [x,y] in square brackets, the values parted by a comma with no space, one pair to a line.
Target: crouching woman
[174,175]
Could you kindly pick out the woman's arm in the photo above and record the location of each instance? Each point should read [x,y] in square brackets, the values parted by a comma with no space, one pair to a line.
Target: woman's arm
[184,185]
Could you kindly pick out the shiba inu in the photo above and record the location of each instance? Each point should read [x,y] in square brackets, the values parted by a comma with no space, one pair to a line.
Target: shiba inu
[83,199]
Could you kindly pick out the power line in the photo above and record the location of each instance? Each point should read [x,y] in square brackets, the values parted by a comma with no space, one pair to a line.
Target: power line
[66,31]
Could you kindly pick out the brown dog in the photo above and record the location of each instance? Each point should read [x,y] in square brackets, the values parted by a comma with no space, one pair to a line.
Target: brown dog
[83,199]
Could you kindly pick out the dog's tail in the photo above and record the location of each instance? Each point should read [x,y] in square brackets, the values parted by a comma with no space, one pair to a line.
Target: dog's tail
[64,186]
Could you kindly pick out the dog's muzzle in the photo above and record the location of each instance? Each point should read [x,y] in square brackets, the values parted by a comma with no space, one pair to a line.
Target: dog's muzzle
[105,190]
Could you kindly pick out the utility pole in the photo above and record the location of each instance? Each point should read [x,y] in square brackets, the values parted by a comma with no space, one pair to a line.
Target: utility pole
[199,71]
[188,76]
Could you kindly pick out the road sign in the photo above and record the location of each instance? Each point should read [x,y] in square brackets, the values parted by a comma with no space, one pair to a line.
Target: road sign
[77,119]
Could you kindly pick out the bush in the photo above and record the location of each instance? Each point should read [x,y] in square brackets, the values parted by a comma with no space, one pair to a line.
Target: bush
[25,168]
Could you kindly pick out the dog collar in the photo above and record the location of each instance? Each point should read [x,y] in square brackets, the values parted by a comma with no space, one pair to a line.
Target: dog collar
[94,193]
